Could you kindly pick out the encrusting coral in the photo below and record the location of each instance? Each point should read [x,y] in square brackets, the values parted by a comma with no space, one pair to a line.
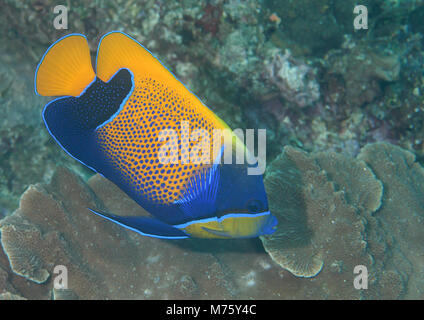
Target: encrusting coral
[335,212]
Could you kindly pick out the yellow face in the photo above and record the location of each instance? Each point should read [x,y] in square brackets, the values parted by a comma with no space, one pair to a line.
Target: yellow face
[228,226]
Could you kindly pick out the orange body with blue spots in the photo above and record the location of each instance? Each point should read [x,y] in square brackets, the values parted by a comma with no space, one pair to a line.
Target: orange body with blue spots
[118,120]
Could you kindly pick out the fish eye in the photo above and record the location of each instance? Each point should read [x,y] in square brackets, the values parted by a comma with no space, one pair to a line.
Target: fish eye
[254,206]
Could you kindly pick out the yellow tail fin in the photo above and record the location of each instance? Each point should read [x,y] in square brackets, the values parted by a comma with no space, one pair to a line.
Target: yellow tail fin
[65,69]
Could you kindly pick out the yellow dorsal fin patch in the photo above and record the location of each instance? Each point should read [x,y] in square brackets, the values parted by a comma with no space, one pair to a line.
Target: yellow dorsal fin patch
[118,50]
[65,69]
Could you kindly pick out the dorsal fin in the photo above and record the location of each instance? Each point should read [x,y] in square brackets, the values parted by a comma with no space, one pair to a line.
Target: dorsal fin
[118,50]
[65,69]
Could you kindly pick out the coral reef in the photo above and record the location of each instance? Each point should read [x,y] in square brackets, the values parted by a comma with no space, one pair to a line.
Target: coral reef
[319,226]
[27,158]
[362,69]
[295,80]
[327,22]
[318,86]
[54,227]
[336,216]
[337,212]
[400,219]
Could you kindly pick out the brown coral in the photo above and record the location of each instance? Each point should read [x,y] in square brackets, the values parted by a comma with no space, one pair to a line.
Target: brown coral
[363,68]
[345,219]
[53,227]
[400,219]
[329,232]
[335,212]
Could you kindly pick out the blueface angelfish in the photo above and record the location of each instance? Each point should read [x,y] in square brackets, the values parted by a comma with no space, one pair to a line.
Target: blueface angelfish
[111,122]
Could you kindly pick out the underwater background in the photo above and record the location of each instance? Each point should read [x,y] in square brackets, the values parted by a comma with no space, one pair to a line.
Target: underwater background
[343,109]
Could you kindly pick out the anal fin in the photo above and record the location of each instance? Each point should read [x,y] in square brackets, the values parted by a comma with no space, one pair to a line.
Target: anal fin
[145,226]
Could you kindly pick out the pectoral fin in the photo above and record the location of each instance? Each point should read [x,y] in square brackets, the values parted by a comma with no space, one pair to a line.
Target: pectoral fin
[219,233]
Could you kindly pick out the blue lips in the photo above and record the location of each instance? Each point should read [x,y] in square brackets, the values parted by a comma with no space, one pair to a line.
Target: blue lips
[270,226]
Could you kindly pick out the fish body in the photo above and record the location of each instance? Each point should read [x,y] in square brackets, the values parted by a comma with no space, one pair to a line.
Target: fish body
[117,122]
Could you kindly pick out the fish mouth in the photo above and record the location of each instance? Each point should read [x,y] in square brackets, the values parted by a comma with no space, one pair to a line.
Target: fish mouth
[270,226]
[231,226]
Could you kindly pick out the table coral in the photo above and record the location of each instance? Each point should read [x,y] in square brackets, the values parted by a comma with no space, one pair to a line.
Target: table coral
[335,231]
[339,212]
[400,218]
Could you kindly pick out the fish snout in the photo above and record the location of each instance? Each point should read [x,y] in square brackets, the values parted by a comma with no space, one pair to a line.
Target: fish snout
[270,225]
